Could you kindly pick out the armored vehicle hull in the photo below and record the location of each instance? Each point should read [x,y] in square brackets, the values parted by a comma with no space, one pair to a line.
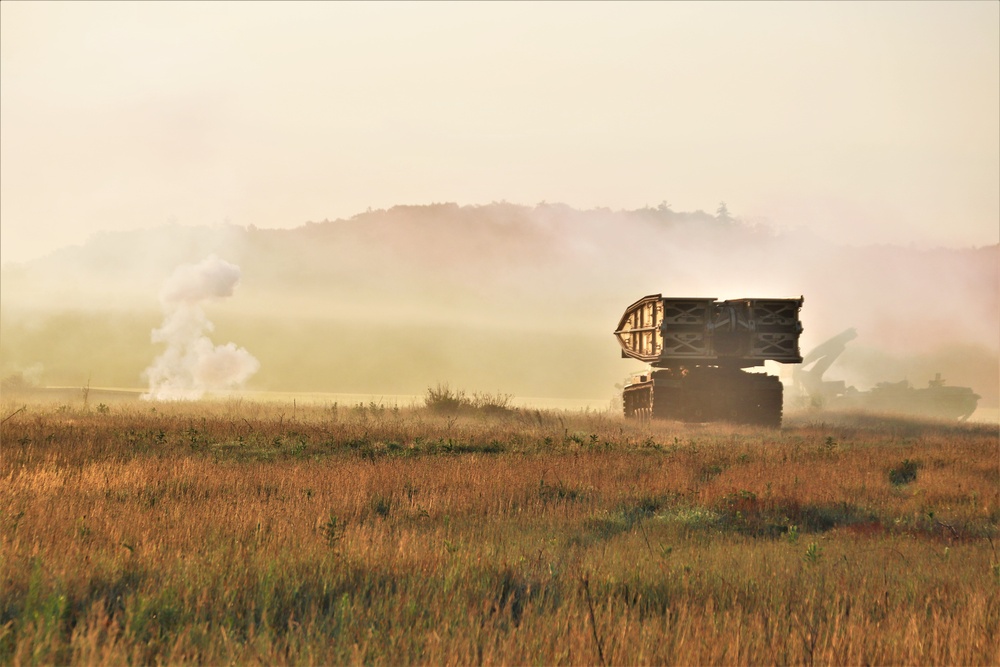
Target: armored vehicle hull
[934,401]
[705,394]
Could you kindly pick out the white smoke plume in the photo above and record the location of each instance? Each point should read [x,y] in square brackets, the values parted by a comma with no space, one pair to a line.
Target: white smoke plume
[192,364]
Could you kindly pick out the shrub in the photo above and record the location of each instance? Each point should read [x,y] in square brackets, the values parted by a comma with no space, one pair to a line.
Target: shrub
[904,473]
[492,403]
[381,505]
[442,399]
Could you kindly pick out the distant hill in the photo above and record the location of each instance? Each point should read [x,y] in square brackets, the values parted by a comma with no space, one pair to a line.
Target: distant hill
[499,297]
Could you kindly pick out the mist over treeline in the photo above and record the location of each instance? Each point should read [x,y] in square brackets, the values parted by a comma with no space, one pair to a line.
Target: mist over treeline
[497,297]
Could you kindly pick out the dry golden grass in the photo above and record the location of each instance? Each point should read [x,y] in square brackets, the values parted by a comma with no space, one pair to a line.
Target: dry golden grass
[266,534]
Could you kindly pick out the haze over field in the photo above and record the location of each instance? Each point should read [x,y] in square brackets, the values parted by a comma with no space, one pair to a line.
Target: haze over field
[863,122]
[857,146]
[496,297]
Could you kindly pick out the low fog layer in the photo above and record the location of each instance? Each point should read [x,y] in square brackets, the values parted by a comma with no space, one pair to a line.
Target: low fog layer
[499,297]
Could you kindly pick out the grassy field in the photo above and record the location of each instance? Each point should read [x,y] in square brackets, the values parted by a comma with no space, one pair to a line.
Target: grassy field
[250,533]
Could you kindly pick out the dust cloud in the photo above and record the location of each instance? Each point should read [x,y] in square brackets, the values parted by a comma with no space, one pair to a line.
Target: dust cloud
[498,297]
[192,364]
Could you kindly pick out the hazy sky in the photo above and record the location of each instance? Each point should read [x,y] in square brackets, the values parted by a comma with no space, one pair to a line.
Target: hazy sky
[865,122]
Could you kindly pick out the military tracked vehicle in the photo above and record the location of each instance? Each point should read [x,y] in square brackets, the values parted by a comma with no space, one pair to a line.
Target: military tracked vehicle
[936,400]
[698,349]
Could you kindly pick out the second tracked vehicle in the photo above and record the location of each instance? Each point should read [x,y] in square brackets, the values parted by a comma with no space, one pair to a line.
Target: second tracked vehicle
[697,349]
[936,400]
